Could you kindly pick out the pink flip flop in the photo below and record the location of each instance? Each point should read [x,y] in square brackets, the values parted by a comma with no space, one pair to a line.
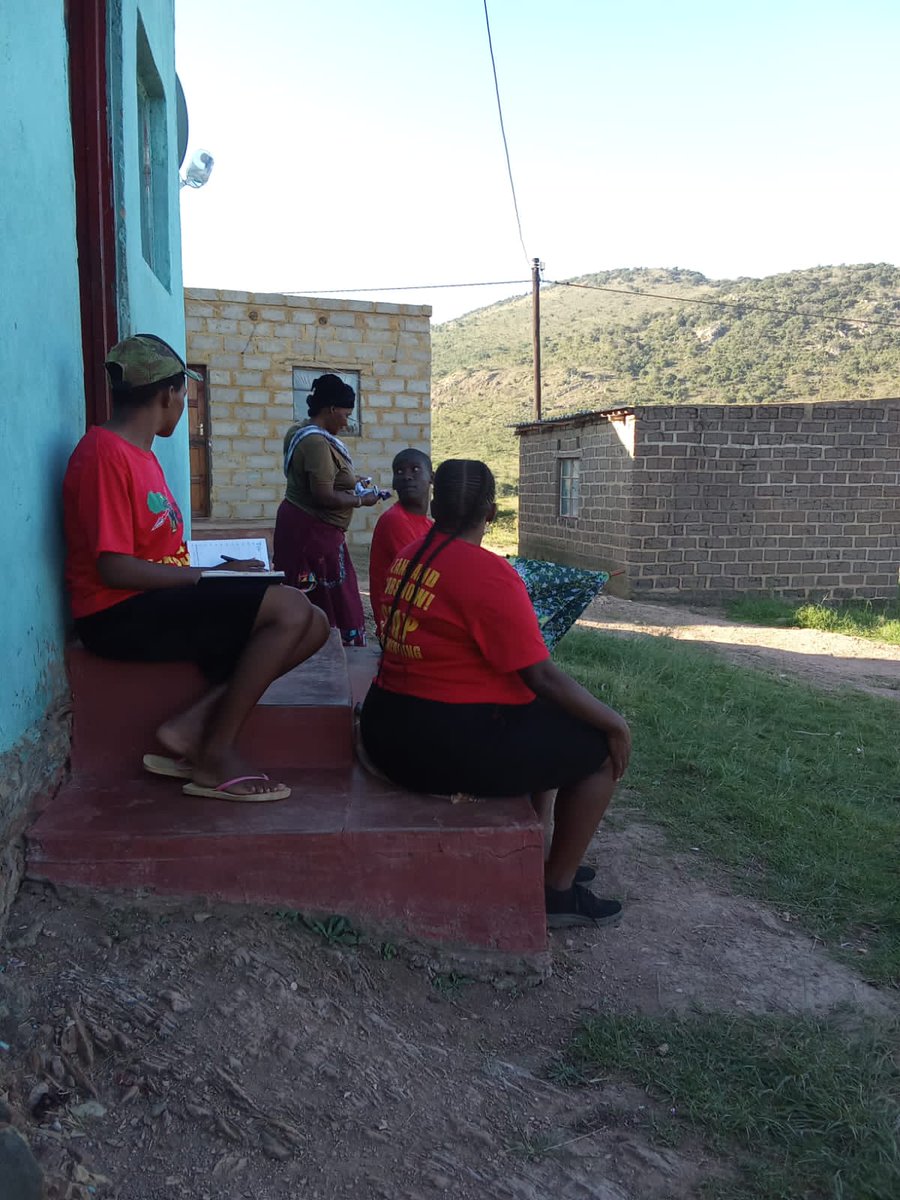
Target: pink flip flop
[222,792]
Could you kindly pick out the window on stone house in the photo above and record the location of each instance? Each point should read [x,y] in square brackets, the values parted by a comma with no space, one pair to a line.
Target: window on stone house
[302,379]
[569,486]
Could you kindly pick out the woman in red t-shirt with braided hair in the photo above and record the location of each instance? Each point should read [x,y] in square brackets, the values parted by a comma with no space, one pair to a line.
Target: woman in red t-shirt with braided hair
[467,698]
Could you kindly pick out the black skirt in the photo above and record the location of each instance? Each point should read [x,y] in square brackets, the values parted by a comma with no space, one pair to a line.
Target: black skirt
[209,626]
[482,749]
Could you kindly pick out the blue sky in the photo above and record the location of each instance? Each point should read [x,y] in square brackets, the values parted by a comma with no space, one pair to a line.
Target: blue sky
[357,144]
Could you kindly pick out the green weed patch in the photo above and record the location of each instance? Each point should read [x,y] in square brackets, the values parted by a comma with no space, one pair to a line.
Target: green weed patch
[794,790]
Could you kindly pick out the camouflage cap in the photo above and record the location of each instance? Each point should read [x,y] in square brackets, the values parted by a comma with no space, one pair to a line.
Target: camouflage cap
[143,359]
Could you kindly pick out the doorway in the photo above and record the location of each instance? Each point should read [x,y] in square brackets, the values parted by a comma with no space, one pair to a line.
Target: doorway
[94,211]
[198,434]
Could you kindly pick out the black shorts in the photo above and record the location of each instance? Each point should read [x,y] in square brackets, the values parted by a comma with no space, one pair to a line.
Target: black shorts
[482,749]
[204,625]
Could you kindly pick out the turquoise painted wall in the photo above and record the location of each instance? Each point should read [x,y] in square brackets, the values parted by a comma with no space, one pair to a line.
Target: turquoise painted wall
[148,304]
[42,410]
[41,374]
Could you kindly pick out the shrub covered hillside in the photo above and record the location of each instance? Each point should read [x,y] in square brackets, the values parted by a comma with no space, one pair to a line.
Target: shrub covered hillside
[602,349]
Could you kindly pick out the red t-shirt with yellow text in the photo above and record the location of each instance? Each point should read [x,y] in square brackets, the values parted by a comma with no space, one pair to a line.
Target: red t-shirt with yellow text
[115,500]
[462,630]
[395,528]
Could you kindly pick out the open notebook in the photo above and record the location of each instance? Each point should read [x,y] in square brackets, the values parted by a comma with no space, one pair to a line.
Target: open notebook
[214,552]
[211,552]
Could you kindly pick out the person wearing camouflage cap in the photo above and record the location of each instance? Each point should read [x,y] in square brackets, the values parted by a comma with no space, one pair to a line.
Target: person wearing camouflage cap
[133,592]
[144,359]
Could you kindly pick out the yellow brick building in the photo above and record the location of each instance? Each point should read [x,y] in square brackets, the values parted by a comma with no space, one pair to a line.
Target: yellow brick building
[258,353]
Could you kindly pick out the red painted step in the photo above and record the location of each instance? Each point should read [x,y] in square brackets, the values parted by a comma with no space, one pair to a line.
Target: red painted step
[468,875]
[304,719]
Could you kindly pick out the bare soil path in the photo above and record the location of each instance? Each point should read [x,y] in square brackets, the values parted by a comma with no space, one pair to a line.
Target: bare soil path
[827,660]
[159,1052]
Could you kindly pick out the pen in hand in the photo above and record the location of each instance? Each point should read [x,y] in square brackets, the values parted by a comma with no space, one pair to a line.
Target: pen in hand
[227,558]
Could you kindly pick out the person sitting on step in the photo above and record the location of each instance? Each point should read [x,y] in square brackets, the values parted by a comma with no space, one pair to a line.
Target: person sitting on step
[467,699]
[135,597]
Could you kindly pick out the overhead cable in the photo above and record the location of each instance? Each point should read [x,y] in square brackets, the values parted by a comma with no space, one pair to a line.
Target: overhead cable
[512,185]
[741,305]
[407,287]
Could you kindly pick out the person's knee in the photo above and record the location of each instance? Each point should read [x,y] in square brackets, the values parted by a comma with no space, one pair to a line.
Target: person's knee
[320,630]
[307,624]
[288,610]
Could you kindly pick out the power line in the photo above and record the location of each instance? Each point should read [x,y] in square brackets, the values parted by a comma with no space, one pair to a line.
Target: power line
[512,185]
[744,305]
[408,287]
[740,304]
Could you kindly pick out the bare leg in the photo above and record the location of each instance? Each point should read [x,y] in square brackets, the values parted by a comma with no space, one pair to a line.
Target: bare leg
[181,735]
[542,803]
[287,631]
[579,810]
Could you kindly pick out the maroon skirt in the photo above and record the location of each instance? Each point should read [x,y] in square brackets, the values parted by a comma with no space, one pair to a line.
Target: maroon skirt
[314,556]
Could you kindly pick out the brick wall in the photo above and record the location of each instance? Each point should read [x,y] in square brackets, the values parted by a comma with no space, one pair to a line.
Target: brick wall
[600,535]
[249,343]
[796,500]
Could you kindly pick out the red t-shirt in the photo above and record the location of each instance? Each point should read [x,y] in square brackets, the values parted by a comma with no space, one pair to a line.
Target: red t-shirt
[462,630]
[395,529]
[115,500]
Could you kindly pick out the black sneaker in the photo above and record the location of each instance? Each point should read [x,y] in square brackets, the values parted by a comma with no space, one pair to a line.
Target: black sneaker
[578,906]
[585,875]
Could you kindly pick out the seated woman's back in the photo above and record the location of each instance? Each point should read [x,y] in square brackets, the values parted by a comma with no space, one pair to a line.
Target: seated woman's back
[461,627]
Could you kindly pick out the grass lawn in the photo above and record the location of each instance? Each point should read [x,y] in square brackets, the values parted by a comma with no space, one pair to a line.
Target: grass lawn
[879,620]
[804,1108]
[796,794]
[795,791]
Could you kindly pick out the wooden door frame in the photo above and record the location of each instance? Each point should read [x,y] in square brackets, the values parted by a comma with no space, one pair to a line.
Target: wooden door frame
[202,387]
[95,224]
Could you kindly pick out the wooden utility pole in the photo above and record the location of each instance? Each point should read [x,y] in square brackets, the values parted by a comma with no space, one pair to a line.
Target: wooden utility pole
[536,332]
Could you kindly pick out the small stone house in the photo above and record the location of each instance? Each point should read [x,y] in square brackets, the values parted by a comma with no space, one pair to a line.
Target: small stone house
[701,503]
[258,353]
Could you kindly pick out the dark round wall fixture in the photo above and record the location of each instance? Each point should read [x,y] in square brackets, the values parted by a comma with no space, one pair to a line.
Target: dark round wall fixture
[181,120]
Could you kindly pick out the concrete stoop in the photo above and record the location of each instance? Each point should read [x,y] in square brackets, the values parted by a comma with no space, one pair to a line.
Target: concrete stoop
[466,877]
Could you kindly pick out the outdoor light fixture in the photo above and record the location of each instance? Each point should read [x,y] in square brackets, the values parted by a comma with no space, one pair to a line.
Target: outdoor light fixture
[199,170]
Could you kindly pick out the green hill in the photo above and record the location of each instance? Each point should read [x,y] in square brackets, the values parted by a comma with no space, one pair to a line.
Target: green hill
[602,349]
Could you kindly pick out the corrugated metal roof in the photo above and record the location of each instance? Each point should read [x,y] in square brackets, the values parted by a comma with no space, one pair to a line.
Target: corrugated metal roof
[579,418]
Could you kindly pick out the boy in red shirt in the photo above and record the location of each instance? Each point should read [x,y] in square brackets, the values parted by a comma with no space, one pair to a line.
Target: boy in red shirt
[134,595]
[402,523]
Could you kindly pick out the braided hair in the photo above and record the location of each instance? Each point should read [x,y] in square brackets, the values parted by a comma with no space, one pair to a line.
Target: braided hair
[464,491]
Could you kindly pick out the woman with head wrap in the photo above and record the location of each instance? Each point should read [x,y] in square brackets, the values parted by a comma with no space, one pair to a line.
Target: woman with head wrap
[320,497]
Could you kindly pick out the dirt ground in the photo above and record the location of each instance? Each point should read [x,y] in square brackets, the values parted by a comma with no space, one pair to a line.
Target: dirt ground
[827,660]
[160,1051]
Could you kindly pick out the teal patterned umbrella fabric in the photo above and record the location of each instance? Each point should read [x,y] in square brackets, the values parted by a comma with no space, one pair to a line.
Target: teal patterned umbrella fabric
[559,594]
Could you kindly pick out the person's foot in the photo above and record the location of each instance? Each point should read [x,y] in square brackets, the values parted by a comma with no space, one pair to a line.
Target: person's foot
[585,874]
[577,906]
[176,741]
[182,735]
[241,780]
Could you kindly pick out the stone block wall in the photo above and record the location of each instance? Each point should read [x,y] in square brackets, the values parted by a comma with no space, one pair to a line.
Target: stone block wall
[793,500]
[250,342]
[600,535]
